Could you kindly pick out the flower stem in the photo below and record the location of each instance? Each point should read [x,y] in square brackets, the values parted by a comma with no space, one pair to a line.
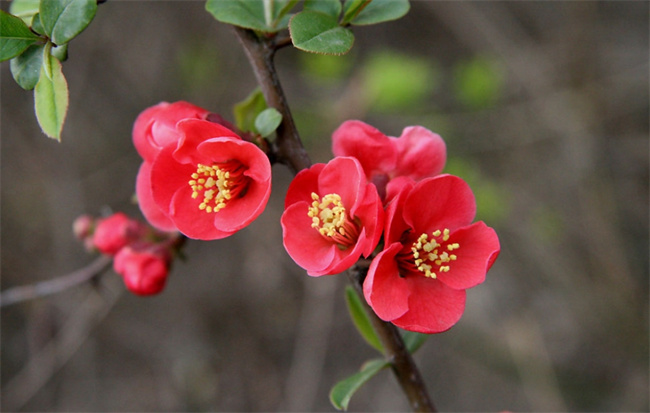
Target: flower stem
[288,149]
[402,363]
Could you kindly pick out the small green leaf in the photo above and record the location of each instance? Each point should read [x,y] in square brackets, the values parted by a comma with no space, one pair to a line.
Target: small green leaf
[25,9]
[316,32]
[351,8]
[247,111]
[379,11]
[343,391]
[361,319]
[268,121]
[51,99]
[65,19]
[243,13]
[329,7]
[413,341]
[15,36]
[26,68]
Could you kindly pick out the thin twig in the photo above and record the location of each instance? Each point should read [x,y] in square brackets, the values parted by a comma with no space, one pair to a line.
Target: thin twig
[28,292]
[402,363]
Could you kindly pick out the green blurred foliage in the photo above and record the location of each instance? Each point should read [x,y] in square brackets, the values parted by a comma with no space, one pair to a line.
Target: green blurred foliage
[546,223]
[198,65]
[326,68]
[478,83]
[396,82]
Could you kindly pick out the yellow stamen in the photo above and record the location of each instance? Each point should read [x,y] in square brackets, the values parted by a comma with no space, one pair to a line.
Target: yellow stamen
[218,184]
[426,255]
[330,218]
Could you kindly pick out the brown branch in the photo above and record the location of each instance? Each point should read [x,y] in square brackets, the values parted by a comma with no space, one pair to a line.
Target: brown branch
[402,363]
[27,292]
[287,148]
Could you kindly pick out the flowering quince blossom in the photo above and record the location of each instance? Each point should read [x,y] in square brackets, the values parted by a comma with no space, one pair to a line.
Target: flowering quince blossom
[203,179]
[143,268]
[332,216]
[418,153]
[432,254]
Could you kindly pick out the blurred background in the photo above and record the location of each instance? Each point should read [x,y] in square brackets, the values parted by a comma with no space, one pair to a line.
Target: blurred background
[544,108]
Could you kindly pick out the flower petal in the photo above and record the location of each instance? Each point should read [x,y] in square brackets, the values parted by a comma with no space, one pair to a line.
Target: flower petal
[190,220]
[373,149]
[304,244]
[385,291]
[433,307]
[344,176]
[302,186]
[444,201]
[167,176]
[155,127]
[479,247]
[195,131]
[151,211]
[420,153]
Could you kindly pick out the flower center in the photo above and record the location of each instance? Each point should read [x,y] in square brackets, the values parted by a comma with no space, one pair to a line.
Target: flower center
[218,184]
[331,220]
[432,254]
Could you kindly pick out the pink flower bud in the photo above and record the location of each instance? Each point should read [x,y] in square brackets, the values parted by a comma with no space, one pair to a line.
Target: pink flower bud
[82,227]
[115,232]
[144,269]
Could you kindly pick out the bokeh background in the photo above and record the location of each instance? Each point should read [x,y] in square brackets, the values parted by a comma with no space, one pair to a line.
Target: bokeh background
[544,107]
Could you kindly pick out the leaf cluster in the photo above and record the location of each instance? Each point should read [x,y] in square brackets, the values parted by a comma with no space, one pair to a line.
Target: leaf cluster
[34,35]
[322,26]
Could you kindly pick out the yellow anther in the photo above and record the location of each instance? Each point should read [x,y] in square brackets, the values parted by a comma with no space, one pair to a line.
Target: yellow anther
[426,255]
[329,217]
[218,184]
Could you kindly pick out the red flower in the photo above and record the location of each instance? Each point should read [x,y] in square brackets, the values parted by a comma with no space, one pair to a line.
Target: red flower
[155,127]
[432,254]
[332,216]
[115,232]
[144,269]
[418,153]
[209,184]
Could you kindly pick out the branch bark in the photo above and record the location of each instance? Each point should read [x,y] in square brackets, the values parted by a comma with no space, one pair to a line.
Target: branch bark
[288,149]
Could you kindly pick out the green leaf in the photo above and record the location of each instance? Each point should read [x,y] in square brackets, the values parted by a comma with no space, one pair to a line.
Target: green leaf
[280,9]
[247,111]
[351,8]
[26,68]
[15,36]
[379,11]
[316,32]
[329,7]
[343,391]
[25,9]
[413,341]
[37,26]
[268,121]
[361,319]
[243,13]
[64,19]
[51,99]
